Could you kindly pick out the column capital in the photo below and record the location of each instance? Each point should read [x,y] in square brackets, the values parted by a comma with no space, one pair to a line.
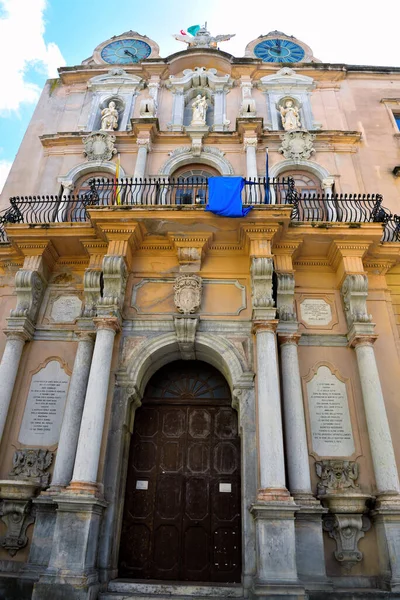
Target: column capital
[86,336]
[22,336]
[289,338]
[111,323]
[144,143]
[271,326]
[250,142]
[356,340]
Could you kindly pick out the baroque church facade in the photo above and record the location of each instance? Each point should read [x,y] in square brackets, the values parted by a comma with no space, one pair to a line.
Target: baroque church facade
[194,405]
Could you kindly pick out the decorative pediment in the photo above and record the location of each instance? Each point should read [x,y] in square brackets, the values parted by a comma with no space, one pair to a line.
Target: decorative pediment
[288,80]
[115,79]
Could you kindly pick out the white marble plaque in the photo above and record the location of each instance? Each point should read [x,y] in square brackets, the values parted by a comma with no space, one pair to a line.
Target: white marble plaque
[331,431]
[41,423]
[142,485]
[225,488]
[66,309]
[316,312]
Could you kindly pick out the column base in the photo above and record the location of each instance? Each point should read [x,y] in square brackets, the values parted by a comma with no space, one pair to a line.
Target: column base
[386,518]
[72,572]
[273,495]
[310,557]
[66,588]
[42,538]
[276,550]
[265,591]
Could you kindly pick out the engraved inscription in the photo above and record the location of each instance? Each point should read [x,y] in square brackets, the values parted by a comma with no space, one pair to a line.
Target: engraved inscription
[331,430]
[66,309]
[44,409]
[316,312]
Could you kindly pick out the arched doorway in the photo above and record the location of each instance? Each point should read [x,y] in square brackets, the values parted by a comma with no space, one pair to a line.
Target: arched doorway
[182,510]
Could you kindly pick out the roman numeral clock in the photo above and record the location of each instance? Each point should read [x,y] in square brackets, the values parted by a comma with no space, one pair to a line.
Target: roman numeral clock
[277,50]
[277,47]
[125,51]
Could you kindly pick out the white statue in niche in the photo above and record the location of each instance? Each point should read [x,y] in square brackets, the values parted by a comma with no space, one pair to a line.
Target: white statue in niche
[109,117]
[199,107]
[290,116]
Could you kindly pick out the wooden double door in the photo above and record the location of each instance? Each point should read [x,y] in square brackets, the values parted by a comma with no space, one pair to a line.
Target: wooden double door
[182,505]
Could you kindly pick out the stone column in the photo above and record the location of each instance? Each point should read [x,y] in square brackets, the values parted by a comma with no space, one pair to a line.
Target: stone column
[178,109]
[250,145]
[140,167]
[274,509]
[385,468]
[327,185]
[73,411]
[309,535]
[8,370]
[295,428]
[91,432]
[270,434]
[361,337]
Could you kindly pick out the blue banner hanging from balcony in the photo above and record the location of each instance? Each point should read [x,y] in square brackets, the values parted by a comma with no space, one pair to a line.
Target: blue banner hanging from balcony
[225,197]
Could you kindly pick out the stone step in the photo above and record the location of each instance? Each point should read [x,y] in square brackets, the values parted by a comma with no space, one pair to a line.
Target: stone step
[127,589]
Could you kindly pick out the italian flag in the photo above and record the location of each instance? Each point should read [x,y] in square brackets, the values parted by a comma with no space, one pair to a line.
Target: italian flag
[192,30]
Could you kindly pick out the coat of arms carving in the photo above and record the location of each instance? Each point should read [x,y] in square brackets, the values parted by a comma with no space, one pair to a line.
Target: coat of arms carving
[187,297]
[99,146]
[297,145]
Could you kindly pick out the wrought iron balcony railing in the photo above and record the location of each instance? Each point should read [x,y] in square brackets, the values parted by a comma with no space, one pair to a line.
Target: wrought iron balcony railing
[350,208]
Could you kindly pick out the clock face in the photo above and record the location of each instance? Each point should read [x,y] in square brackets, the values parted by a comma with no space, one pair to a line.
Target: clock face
[279,51]
[125,52]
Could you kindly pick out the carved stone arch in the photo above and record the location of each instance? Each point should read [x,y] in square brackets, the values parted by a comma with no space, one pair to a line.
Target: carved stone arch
[285,167]
[279,168]
[161,350]
[91,166]
[147,359]
[209,156]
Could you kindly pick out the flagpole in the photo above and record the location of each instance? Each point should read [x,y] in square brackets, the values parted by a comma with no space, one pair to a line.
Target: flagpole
[267,198]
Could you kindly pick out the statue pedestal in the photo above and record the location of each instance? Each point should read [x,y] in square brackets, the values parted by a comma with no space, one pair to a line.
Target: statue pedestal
[197,133]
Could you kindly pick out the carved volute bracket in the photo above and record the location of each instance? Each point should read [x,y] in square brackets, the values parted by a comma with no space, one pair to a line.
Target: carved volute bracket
[185,329]
[347,530]
[17,515]
[285,305]
[92,289]
[190,250]
[261,270]
[346,521]
[114,278]
[354,294]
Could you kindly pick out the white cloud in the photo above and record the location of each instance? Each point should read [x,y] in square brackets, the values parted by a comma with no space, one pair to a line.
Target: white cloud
[5,166]
[22,46]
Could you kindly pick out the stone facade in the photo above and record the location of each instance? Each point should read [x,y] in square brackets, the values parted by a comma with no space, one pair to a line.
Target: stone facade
[301,317]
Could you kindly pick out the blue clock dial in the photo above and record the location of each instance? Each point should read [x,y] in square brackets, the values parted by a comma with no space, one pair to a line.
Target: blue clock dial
[276,51]
[125,52]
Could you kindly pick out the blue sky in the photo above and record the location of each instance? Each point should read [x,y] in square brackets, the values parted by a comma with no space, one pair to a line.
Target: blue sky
[36,36]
